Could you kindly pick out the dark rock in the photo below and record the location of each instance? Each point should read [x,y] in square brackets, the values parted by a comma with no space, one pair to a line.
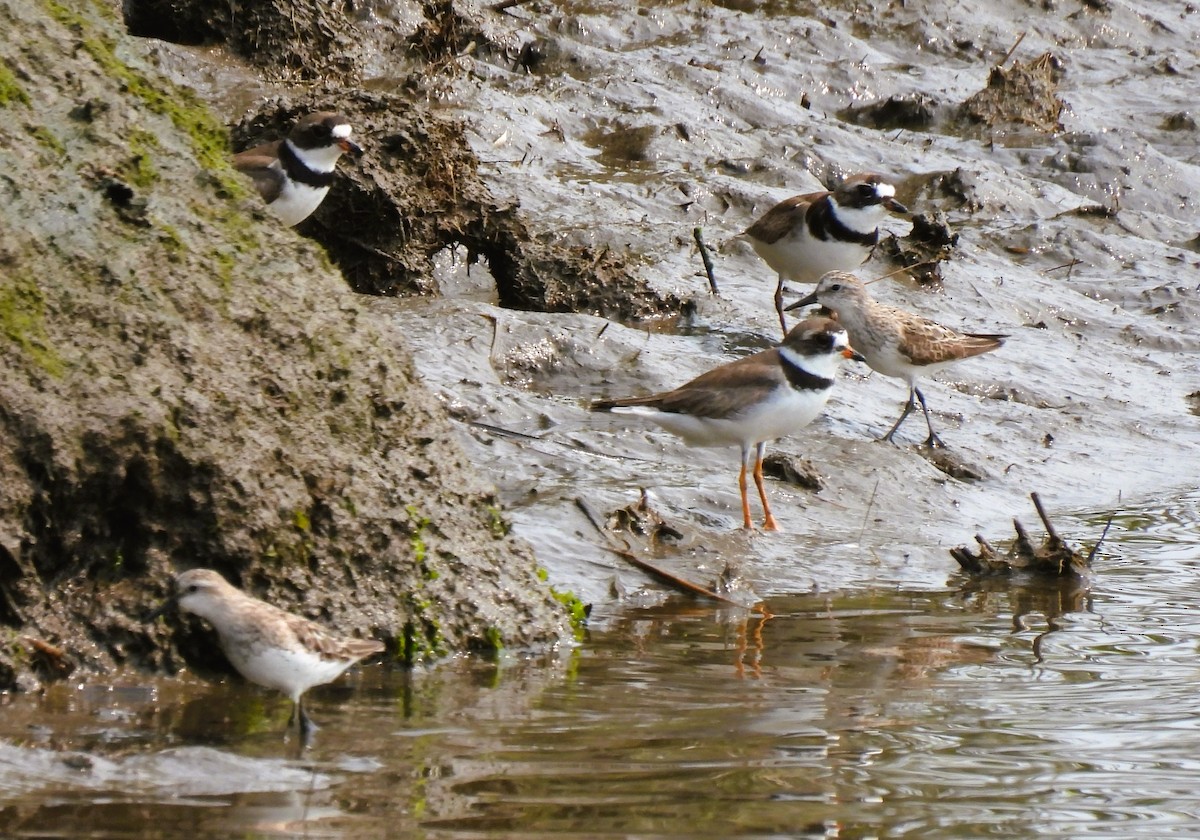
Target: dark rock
[915,113]
[1179,121]
[800,472]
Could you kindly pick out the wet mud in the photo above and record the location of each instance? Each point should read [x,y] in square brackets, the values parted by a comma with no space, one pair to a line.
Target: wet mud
[1060,212]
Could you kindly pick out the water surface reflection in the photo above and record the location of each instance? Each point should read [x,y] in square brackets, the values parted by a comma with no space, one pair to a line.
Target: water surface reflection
[1007,709]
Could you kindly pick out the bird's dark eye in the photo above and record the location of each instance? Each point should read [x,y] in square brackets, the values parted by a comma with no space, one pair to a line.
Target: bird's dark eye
[836,287]
[866,190]
[193,588]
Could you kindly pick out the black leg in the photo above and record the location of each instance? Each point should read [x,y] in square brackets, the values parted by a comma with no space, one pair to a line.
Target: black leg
[307,727]
[908,407]
[301,719]
[779,305]
[933,441]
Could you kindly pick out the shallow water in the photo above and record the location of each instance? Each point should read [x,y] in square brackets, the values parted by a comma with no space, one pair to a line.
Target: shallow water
[963,711]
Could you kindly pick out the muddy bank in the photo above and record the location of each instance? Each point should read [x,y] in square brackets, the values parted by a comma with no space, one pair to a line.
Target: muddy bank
[620,131]
[184,383]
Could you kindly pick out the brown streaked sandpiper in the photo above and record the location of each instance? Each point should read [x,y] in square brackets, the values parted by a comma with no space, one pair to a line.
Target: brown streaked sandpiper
[895,342]
[268,645]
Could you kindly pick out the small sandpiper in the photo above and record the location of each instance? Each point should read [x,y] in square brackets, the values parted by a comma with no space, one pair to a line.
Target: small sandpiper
[895,342]
[267,645]
[293,175]
[753,400]
[805,236]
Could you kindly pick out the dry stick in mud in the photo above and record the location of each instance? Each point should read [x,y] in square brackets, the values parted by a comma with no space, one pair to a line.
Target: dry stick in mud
[1053,558]
[706,259]
[1011,50]
[656,573]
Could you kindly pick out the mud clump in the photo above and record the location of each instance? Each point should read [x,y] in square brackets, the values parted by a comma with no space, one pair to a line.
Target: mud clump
[924,248]
[301,41]
[417,191]
[1023,94]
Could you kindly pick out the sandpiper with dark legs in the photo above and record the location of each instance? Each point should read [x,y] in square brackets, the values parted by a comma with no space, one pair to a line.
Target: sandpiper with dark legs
[895,342]
[266,644]
[294,174]
[751,401]
[805,236]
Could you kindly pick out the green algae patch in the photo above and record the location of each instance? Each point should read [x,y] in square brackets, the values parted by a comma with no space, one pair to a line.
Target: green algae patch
[23,322]
[11,92]
[140,169]
[46,139]
[577,610]
[209,138]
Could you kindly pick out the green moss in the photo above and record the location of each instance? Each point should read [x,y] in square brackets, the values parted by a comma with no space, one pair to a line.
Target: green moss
[11,92]
[301,520]
[23,322]
[577,611]
[417,541]
[139,170]
[497,525]
[239,242]
[171,241]
[494,640]
[422,639]
[46,139]
[209,138]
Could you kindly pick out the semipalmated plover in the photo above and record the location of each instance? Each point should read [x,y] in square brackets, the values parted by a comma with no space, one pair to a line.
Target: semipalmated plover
[293,175]
[753,400]
[895,342]
[267,645]
[805,236]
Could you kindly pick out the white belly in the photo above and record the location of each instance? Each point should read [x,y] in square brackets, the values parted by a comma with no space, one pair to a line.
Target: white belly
[785,413]
[803,259]
[290,671]
[296,202]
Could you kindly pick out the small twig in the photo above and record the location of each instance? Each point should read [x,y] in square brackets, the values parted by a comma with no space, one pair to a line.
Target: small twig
[501,431]
[654,572]
[870,502]
[1041,512]
[1011,50]
[505,5]
[706,259]
[1100,541]
[900,270]
[1069,266]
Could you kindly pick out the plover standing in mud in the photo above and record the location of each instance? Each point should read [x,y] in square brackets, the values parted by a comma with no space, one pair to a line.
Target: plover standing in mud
[293,175]
[751,401]
[805,236]
[267,645]
[895,342]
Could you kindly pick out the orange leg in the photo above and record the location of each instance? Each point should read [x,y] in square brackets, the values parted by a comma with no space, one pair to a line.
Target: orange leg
[746,523]
[769,523]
